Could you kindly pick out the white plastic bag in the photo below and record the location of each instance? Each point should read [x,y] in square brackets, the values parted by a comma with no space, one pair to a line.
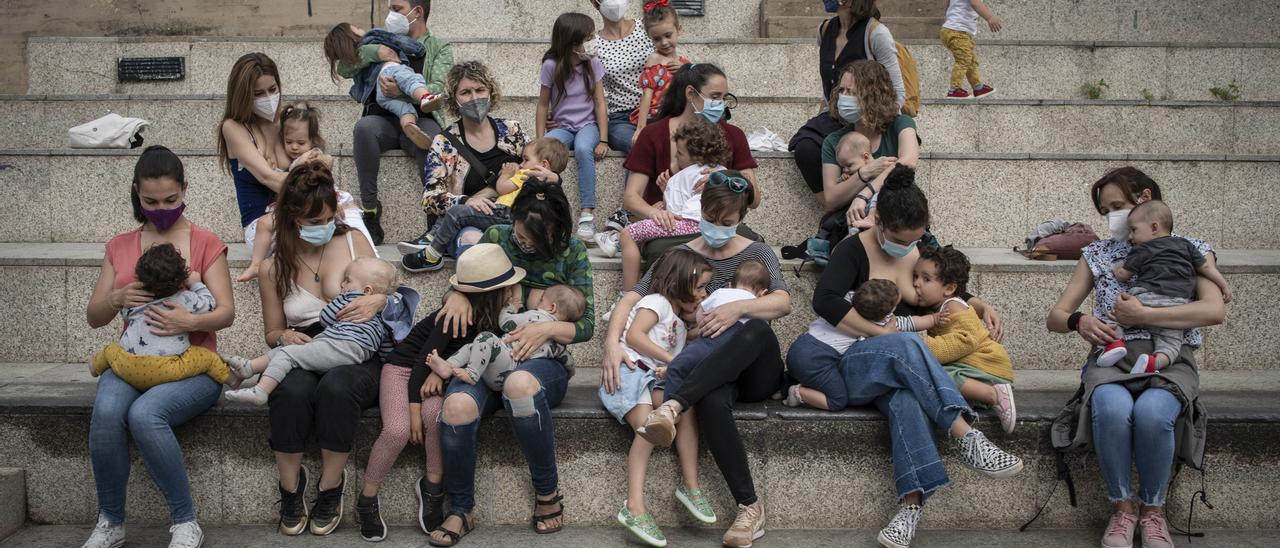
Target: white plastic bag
[110,131]
[764,140]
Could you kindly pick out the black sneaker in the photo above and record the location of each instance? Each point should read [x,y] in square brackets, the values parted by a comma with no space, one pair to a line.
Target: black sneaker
[372,527]
[419,262]
[293,507]
[373,222]
[326,511]
[430,505]
[618,220]
[409,247]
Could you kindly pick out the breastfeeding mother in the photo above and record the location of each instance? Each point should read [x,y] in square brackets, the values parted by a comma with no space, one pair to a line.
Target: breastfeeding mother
[158,196]
[312,250]
[896,371]
[1133,419]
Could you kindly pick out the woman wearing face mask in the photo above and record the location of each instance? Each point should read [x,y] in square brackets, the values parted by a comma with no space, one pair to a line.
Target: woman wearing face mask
[849,36]
[623,46]
[312,250]
[540,241]
[863,102]
[249,144]
[896,371]
[1127,418]
[450,177]
[158,195]
[731,361]
[700,89]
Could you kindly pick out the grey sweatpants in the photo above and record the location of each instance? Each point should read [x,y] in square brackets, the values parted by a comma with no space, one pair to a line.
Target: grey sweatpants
[1167,341]
[320,354]
[486,358]
[375,134]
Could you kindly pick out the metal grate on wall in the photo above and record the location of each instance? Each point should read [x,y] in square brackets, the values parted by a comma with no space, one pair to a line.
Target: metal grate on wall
[695,8]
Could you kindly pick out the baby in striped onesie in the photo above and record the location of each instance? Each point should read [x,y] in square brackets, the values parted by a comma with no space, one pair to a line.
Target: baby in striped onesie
[341,343]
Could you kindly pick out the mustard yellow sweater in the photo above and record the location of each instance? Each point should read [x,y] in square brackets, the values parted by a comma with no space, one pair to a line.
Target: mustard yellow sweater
[966,340]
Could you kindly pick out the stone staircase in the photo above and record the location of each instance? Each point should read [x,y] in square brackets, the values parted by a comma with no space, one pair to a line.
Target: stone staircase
[992,168]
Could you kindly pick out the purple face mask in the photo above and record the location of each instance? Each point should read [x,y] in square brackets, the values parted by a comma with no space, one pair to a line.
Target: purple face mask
[163,219]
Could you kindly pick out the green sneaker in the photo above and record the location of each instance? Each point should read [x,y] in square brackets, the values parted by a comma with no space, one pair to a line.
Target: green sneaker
[642,526]
[697,504]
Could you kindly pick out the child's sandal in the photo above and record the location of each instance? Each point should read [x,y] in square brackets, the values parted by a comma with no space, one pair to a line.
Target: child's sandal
[468,525]
[543,519]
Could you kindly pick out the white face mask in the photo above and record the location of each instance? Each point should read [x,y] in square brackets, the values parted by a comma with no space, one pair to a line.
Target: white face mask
[265,107]
[1118,223]
[397,23]
[589,48]
[613,10]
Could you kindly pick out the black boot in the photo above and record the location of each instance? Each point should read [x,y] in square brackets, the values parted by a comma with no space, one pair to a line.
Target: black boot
[373,221]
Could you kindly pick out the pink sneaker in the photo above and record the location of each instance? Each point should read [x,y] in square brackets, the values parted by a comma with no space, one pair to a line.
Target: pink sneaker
[1005,408]
[1155,532]
[1112,354]
[1120,530]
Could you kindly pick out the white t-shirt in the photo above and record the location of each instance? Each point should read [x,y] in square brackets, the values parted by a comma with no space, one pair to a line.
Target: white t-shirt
[723,296]
[961,16]
[679,196]
[669,333]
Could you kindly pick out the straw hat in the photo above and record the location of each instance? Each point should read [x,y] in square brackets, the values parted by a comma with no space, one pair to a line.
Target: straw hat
[485,267]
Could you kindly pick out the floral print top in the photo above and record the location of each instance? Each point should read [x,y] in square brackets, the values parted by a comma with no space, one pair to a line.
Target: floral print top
[1104,254]
[446,169]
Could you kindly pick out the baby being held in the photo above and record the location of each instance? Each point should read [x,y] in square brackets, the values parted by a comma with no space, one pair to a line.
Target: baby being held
[1165,267]
[488,357]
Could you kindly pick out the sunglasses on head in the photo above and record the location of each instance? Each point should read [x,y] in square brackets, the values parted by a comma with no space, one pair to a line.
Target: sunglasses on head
[735,183]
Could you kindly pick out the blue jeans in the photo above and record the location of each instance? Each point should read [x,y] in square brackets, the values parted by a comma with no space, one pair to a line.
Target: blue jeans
[899,374]
[120,410]
[620,131]
[583,144]
[461,219]
[534,432]
[408,81]
[814,364]
[1128,429]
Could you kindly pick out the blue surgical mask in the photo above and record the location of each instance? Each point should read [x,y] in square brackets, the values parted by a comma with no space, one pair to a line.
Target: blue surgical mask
[831,5]
[318,234]
[896,249]
[715,235]
[847,108]
[712,109]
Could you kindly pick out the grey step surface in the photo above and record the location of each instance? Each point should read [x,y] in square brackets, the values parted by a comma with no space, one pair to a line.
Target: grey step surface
[977,199]
[803,26]
[1210,21]
[49,285]
[773,67]
[264,536]
[812,468]
[13,503]
[946,125]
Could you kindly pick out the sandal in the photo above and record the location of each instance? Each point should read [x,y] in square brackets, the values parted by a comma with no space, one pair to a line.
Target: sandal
[543,519]
[468,525]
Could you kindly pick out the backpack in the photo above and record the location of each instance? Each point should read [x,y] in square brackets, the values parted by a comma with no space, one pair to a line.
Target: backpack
[833,227]
[910,73]
[1064,244]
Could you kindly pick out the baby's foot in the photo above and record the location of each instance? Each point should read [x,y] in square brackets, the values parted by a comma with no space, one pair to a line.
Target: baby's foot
[254,395]
[1111,354]
[249,273]
[1145,363]
[793,397]
[430,102]
[242,367]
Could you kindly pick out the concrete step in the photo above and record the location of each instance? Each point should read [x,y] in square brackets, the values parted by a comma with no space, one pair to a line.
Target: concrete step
[577,536]
[773,68]
[946,125]
[13,507]
[813,469]
[803,26]
[49,285]
[979,199]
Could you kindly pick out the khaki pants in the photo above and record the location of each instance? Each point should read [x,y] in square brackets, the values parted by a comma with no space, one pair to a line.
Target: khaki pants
[966,65]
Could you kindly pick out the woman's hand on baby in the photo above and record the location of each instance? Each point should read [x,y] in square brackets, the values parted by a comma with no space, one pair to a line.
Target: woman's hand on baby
[722,318]
[1095,331]
[481,204]
[994,323]
[703,178]
[1128,310]
[541,172]
[526,339]
[362,309]
[388,86]
[169,318]
[129,296]
[877,166]
[291,337]
[665,219]
[455,314]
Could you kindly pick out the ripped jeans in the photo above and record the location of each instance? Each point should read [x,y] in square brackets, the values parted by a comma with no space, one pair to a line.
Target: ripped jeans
[530,421]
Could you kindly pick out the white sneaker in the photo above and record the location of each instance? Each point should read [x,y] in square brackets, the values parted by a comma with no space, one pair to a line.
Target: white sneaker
[793,397]
[105,535]
[186,535]
[902,529]
[586,227]
[978,453]
[608,243]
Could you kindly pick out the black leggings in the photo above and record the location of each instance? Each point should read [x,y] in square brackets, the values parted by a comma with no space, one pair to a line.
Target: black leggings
[808,156]
[323,408]
[746,367]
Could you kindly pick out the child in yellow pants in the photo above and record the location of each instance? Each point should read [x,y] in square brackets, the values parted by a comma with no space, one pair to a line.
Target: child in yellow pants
[957,35]
[144,359]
